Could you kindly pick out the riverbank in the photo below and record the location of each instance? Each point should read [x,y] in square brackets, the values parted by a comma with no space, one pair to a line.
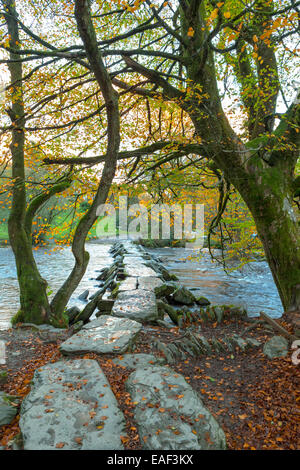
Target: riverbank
[218,356]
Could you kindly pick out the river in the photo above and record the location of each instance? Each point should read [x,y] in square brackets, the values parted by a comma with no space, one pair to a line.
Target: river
[252,286]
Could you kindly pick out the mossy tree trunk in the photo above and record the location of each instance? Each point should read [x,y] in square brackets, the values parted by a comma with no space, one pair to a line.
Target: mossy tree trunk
[88,37]
[263,169]
[269,200]
[34,302]
[33,295]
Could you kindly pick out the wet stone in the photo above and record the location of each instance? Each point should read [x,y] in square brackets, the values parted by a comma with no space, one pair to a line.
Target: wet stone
[130,283]
[139,305]
[166,402]
[139,270]
[133,260]
[106,335]
[149,283]
[71,407]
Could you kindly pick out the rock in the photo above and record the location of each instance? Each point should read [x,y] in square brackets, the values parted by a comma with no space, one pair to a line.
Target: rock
[204,315]
[166,402]
[130,283]
[105,306]
[203,343]
[228,343]
[164,324]
[167,276]
[194,344]
[77,326]
[239,342]
[103,274]
[99,292]
[88,311]
[133,260]
[139,270]
[219,313]
[195,347]
[202,301]
[160,346]
[149,283]
[106,335]
[276,347]
[163,308]
[121,275]
[72,313]
[154,265]
[139,305]
[133,361]
[165,290]
[51,329]
[252,342]
[230,311]
[84,295]
[183,296]
[7,409]
[71,407]
[210,313]
[218,346]
[177,353]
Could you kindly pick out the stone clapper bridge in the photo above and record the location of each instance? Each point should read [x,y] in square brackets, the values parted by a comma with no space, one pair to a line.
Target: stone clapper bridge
[72,393]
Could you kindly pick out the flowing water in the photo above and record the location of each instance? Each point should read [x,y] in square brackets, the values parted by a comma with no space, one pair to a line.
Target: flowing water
[54,268]
[252,286]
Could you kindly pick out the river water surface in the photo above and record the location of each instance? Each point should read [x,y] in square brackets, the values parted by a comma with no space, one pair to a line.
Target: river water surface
[252,286]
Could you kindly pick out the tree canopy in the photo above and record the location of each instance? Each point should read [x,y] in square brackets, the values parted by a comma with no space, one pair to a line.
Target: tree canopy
[170,95]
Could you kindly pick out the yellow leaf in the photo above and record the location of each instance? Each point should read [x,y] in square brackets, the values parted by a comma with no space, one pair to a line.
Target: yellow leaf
[191,32]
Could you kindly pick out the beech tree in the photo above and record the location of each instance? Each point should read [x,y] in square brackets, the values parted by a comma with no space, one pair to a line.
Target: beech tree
[34,302]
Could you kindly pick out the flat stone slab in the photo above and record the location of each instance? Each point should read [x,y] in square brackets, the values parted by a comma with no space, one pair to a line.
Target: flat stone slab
[133,361]
[139,270]
[71,407]
[149,283]
[133,260]
[130,283]
[169,413]
[138,305]
[106,335]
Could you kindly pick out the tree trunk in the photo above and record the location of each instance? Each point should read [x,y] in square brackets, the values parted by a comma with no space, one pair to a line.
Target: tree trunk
[88,36]
[278,228]
[33,296]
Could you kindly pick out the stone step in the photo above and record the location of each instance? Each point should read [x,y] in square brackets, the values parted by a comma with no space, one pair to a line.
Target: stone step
[149,283]
[106,335]
[139,270]
[169,413]
[139,305]
[71,407]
